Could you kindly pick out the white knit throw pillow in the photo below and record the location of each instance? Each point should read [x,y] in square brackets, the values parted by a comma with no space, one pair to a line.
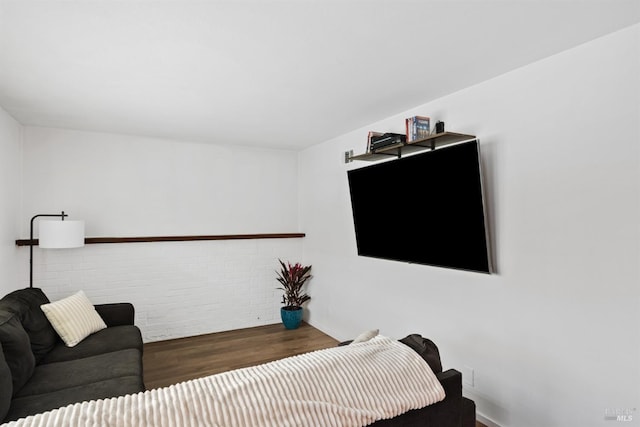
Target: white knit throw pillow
[74,318]
[366,336]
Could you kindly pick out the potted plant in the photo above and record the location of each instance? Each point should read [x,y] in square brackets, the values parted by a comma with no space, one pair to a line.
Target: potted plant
[292,277]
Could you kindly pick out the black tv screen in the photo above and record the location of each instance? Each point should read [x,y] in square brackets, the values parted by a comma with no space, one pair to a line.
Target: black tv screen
[426,209]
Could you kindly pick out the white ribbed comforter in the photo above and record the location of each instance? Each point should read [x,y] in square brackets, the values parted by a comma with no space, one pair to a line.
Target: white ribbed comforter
[353,385]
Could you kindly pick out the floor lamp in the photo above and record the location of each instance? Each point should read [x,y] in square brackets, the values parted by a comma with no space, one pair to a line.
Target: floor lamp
[55,235]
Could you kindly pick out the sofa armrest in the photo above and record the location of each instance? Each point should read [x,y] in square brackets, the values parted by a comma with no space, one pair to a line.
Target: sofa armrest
[451,381]
[446,413]
[117,314]
[450,408]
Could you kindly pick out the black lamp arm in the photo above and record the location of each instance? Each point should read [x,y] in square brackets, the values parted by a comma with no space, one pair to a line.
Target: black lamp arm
[60,215]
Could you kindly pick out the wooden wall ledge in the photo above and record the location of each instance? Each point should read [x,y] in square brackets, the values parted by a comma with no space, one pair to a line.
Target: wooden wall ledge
[92,240]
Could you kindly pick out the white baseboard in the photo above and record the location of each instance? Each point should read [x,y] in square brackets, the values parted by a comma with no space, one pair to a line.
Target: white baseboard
[486,421]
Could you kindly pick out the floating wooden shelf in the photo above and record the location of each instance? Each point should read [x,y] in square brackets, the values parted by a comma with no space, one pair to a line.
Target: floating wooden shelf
[93,240]
[430,143]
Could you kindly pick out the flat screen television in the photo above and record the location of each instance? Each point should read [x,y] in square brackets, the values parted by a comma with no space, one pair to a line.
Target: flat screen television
[426,209]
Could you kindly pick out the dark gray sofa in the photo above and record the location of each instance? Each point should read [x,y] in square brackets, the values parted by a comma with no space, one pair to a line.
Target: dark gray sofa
[454,411]
[39,373]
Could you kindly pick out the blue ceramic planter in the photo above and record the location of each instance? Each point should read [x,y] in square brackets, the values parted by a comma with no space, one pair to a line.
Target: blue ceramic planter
[291,317]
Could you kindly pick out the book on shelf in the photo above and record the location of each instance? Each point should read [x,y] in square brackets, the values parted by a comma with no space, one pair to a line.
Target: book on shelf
[371,135]
[417,127]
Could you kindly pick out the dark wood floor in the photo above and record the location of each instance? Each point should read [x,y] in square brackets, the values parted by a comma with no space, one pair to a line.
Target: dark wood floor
[174,361]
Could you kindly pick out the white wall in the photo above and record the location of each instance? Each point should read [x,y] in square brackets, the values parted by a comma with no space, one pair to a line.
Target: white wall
[130,186]
[10,197]
[554,336]
[133,186]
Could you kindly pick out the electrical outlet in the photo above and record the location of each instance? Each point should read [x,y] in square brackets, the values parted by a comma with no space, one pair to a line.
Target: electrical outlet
[468,376]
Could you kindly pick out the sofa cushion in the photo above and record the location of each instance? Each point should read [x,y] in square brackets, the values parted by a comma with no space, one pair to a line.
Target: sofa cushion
[107,340]
[73,373]
[117,314]
[6,386]
[16,349]
[74,318]
[29,405]
[27,302]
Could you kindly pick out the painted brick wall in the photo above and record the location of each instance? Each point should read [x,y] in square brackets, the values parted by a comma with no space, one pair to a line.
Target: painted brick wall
[178,288]
[123,185]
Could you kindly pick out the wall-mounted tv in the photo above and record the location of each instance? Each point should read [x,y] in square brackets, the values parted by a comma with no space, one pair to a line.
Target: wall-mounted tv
[426,209]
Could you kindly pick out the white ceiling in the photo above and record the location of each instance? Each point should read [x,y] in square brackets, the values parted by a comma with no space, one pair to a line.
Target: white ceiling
[273,73]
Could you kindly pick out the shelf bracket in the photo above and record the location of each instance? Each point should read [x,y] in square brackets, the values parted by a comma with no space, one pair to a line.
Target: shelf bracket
[431,145]
[348,156]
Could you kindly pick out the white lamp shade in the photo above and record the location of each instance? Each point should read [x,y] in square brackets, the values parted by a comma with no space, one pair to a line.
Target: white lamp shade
[61,234]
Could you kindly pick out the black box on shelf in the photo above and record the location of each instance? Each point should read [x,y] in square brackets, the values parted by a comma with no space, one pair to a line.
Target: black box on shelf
[387,139]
